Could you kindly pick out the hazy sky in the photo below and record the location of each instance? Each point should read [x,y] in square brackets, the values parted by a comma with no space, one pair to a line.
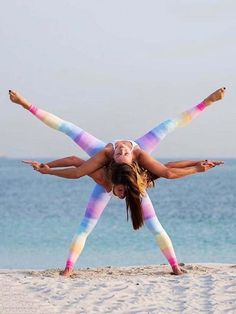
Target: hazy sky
[117,68]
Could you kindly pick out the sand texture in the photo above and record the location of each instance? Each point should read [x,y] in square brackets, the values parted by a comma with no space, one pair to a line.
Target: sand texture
[147,289]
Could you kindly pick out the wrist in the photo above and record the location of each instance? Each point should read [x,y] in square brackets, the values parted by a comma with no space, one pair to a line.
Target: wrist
[49,171]
[199,167]
[44,169]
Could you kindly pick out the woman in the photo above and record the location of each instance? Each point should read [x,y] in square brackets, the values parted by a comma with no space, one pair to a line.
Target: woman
[121,151]
[117,182]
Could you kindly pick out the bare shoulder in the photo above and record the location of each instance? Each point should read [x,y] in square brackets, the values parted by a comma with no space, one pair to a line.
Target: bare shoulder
[143,157]
[108,151]
[138,153]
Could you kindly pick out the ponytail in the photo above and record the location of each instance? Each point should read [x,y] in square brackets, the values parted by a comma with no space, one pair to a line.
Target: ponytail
[133,207]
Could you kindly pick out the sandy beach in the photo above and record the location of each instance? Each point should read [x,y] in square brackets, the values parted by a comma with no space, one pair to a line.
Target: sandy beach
[148,289]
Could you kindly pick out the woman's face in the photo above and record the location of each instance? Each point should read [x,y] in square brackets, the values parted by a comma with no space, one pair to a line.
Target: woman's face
[119,190]
[123,154]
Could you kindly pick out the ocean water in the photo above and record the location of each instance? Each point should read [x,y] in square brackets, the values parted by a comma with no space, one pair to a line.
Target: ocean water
[39,215]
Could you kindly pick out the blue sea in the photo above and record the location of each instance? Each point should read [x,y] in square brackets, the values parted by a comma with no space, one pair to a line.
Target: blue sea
[39,215]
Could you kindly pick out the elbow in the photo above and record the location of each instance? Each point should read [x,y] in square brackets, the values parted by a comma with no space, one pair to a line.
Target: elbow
[73,159]
[76,175]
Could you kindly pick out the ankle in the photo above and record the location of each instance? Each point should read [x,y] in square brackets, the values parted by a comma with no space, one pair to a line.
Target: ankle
[207,101]
[25,105]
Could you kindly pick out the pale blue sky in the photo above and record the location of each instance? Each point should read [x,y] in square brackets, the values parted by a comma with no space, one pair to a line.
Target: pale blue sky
[117,68]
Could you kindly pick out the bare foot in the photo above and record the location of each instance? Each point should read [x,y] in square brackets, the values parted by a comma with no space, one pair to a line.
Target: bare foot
[67,272]
[178,271]
[18,99]
[217,95]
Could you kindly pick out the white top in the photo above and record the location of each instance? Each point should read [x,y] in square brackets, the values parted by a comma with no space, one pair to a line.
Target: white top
[134,144]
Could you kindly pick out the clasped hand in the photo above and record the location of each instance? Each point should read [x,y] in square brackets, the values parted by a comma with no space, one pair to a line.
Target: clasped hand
[40,167]
[205,165]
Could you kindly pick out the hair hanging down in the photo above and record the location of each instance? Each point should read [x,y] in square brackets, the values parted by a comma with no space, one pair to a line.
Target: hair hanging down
[136,180]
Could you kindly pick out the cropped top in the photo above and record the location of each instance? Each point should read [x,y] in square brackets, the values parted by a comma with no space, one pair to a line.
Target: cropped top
[134,144]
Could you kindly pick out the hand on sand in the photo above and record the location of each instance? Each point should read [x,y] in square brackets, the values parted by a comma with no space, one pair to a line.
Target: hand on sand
[18,99]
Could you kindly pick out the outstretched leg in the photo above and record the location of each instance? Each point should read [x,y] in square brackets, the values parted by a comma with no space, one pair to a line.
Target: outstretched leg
[89,143]
[162,238]
[152,139]
[98,201]
[99,198]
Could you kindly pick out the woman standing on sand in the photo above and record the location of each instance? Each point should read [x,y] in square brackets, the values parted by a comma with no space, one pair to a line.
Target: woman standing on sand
[121,151]
[116,184]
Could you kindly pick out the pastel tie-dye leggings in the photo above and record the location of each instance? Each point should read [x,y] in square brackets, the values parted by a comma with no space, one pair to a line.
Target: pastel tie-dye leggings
[99,197]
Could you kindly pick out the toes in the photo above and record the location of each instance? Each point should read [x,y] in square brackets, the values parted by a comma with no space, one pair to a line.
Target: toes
[12,92]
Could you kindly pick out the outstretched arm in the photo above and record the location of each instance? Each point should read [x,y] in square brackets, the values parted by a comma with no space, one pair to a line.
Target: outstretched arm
[58,163]
[161,170]
[66,162]
[90,166]
[191,163]
[98,176]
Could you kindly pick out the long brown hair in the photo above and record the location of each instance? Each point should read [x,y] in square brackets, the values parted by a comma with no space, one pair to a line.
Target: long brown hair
[136,180]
